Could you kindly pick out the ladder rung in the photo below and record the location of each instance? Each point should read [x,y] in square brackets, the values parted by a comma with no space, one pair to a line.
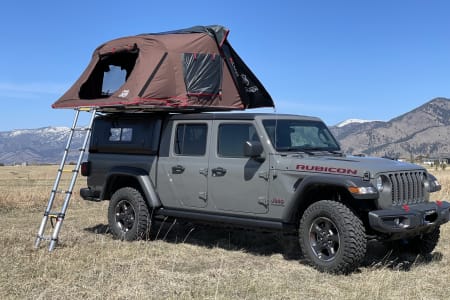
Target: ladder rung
[61,192]
[68,170]
[75,149]
[54,214]
[85,108]
[80,128]
[44,238]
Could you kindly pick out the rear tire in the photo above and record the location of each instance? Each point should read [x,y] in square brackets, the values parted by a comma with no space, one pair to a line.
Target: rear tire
[332,237]
[128,215]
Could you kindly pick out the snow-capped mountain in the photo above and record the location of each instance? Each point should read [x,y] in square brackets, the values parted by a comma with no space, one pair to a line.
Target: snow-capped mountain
[351,121]
[42,145]
[45,131]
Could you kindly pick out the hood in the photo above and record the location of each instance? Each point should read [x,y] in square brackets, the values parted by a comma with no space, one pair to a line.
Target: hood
[347,165]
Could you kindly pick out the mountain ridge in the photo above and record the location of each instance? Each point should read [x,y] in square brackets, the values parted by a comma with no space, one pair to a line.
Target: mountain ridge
[37,146]
[423,131]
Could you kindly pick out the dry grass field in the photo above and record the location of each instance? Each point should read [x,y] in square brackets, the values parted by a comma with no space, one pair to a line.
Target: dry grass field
[183,262]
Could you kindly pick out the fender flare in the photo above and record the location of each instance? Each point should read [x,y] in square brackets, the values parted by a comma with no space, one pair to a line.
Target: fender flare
[303,185]
[143,179]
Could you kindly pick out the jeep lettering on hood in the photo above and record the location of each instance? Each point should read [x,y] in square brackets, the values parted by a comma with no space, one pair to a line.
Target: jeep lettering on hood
[326,169]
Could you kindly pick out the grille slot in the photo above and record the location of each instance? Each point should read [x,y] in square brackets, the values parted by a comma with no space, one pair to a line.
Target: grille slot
[407,187]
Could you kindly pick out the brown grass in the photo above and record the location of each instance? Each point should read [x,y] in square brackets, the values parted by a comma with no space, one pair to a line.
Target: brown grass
[186,262]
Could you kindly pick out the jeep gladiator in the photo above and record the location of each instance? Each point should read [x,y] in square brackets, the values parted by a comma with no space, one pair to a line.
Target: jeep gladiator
[263,171]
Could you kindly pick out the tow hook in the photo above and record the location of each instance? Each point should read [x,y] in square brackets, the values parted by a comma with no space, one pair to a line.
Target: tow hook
[430,216]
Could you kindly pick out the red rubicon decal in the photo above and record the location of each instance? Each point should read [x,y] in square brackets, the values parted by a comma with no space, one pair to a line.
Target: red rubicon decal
[327,169]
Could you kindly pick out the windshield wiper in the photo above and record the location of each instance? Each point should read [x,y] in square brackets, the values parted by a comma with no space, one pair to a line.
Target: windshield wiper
[295,149]
[321,149]
[335,152]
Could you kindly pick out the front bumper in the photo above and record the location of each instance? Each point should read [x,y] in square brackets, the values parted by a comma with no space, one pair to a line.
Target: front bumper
[410,218]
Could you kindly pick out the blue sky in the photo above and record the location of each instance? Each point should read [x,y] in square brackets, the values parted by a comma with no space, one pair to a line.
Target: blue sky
[332,59]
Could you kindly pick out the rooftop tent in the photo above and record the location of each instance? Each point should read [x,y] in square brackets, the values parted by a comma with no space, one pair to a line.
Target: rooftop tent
[193,68]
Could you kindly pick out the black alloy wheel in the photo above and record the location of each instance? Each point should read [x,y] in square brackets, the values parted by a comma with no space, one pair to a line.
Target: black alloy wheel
[125,215]
[324,239]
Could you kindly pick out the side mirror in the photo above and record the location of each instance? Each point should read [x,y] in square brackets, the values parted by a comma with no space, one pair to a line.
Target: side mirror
[254,149]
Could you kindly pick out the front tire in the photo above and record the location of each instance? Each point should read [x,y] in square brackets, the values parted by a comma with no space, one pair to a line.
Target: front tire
[128,215]
[422,244]
[332,237]
[425,243]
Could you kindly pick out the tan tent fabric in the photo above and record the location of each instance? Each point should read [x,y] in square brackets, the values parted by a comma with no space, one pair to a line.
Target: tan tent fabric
[194,68]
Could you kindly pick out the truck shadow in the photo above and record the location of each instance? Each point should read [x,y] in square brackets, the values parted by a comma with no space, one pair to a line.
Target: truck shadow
[378,255]
[381,255]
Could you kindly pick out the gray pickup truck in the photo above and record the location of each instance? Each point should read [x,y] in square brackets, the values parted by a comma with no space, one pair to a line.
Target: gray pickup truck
[264,171]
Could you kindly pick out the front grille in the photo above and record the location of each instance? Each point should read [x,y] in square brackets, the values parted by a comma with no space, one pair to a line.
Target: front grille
[407,187]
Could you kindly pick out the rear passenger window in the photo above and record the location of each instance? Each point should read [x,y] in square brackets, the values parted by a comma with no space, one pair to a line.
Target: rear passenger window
[232,138]
[190,139]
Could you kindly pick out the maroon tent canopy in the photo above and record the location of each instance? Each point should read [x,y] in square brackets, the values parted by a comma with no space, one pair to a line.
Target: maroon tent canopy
[194,68]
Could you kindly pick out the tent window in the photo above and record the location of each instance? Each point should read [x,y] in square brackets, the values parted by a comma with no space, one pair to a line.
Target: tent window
[113,78]
[202,74]
[110,73]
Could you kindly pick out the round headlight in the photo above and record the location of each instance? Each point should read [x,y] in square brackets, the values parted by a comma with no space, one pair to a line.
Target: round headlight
[379,183]
[432,184]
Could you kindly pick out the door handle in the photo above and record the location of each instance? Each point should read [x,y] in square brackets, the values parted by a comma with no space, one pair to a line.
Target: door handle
[203,171]
[178,169]
[218,171]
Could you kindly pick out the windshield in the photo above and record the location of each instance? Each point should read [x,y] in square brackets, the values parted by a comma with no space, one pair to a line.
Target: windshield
[297,135]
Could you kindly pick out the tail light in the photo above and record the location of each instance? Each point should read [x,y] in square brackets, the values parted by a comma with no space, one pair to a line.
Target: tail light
[86,168]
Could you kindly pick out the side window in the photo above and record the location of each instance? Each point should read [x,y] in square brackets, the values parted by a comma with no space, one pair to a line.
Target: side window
[190,139]
[232,137]
[121,135]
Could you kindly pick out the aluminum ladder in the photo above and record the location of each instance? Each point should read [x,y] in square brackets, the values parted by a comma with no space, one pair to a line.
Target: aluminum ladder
[59,215]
